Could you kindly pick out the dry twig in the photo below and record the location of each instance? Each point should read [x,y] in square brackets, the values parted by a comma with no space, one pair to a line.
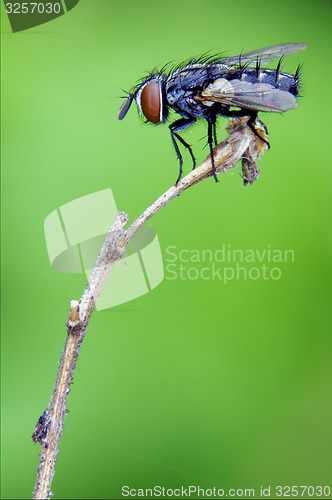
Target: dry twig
[241,144]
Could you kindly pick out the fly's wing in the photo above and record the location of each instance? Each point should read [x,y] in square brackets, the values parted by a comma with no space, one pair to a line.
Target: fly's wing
[125,107]
[266,55]
[253,96]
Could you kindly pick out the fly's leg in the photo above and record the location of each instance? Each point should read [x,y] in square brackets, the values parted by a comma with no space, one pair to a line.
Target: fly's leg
[251,125]
[251,121]
[177,127]
[211,136]
[178,154]
[186,145]
[215,134]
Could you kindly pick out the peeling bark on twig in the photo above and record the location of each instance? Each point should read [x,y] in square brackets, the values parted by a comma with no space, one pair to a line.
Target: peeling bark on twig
[241,144]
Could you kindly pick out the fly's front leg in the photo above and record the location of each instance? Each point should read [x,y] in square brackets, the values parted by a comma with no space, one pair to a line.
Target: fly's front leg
[177,127]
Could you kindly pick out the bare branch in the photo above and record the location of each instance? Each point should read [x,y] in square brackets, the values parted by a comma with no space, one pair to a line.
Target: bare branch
[243,144]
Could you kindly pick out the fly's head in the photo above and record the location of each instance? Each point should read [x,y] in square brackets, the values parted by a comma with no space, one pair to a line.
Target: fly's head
[150,98]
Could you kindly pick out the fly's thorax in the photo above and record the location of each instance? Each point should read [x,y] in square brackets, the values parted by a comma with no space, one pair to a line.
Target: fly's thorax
[151,99]
[186,80]
[181,88]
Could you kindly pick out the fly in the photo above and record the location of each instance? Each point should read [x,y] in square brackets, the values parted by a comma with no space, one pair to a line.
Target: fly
[211,86]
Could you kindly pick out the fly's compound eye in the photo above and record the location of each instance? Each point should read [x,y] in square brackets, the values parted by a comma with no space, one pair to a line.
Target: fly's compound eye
[150,101]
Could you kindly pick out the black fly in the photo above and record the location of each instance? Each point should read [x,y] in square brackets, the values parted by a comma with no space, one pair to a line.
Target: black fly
[211,86]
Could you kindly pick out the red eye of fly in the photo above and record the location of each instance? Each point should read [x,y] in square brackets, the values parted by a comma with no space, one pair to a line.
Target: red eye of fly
[150,102]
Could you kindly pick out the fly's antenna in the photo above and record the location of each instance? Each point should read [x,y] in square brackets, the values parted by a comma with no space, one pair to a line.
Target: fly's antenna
[125,106]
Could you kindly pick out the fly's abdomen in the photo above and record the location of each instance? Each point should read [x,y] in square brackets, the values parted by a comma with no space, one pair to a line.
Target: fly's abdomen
[281,81]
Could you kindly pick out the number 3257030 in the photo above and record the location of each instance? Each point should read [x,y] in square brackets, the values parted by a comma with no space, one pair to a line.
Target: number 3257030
[33,7]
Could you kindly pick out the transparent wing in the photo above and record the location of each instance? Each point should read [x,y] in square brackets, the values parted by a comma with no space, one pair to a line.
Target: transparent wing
[254,96]
[266,55]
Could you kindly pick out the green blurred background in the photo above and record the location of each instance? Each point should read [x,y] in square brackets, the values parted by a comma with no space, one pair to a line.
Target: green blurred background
[196,382]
